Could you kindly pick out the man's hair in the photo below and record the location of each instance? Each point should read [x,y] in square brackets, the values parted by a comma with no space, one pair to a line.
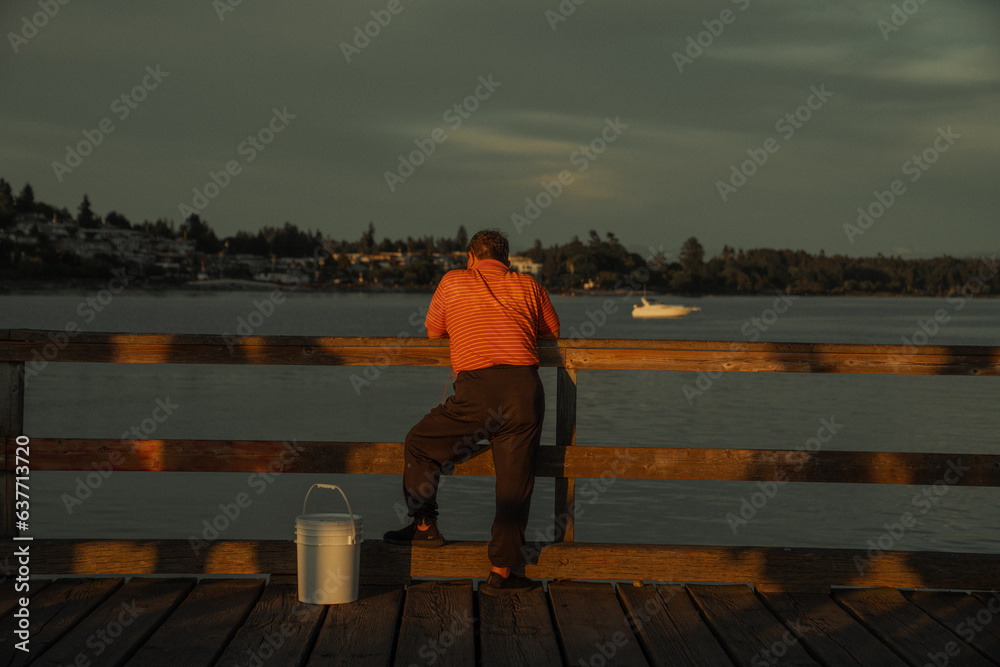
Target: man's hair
[490,244]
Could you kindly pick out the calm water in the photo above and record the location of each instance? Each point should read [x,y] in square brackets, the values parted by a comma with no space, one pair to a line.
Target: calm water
[885,413]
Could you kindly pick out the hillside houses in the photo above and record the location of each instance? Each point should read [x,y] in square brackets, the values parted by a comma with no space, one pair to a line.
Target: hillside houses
[177,259]
[30,232]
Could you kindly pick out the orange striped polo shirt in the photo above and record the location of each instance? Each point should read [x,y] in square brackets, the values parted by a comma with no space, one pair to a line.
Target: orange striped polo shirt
[492,315]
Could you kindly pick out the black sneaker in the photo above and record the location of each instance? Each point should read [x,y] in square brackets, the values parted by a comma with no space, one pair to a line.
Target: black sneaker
[499,585]
[411,536]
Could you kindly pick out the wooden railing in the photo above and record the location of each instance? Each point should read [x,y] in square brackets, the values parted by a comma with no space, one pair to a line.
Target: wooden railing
[565,461]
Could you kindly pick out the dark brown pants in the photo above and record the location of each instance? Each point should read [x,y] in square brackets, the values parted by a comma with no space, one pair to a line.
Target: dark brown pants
[504,404]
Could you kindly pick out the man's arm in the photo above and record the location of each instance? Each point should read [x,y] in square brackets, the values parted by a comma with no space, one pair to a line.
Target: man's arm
[548,326]
[436,321]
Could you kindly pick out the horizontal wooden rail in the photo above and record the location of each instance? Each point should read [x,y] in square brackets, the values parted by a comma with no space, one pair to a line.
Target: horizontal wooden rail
[767,567]
[22,352]
[386,458]
[38,347]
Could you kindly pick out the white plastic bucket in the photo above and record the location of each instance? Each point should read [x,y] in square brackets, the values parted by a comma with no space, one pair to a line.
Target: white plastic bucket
[329,554]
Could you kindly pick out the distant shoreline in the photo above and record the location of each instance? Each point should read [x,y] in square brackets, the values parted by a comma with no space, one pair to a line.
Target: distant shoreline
[224,286]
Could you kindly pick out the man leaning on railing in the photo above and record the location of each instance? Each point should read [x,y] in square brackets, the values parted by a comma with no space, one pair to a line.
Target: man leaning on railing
[493,317]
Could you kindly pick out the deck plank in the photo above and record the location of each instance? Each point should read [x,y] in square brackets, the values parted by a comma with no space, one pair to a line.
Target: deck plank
[517,630]
[992,602]
[438,625]
[748,630]
[279,630]
[832,635]
[201,627]
[965,615]
[111,633]
[54,612]
[593,625]
[9,597]
[906,628]
[360,633]
[669,627]
[222,622]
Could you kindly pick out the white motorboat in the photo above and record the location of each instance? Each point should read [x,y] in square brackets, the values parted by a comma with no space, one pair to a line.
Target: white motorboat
[653,308]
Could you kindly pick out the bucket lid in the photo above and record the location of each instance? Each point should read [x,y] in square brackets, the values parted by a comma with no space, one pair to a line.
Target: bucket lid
[327,539]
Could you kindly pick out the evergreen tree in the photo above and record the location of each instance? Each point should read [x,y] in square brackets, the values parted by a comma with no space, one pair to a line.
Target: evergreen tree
[25,202]
[7,207]
[85,216]
[204,238]
[117,221]
[368,239]
[692,256]
[691,277]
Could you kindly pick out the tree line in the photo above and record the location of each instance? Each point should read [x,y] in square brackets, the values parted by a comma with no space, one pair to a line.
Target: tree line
[596,262]
[737,271]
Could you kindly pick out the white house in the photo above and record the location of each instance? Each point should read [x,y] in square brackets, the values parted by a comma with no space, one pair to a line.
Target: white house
[523,264]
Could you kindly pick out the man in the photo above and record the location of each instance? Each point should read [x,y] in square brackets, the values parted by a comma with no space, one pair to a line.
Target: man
[493,317]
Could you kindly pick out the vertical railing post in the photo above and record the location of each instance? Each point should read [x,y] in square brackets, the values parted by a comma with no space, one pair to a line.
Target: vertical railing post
[11,423]
[565,437]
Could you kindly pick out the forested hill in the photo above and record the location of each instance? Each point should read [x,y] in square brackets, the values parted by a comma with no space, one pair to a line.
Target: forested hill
[40,243]
[739,271]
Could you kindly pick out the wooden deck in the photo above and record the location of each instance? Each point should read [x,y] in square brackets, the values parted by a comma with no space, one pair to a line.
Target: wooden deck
[891,611]
[150,622]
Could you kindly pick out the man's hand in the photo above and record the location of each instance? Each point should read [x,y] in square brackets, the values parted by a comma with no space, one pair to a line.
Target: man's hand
[436,334]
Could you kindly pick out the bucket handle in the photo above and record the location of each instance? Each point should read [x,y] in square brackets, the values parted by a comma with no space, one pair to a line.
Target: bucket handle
[354,529]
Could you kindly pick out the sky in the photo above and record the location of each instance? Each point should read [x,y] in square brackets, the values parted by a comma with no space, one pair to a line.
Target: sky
[749,123]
